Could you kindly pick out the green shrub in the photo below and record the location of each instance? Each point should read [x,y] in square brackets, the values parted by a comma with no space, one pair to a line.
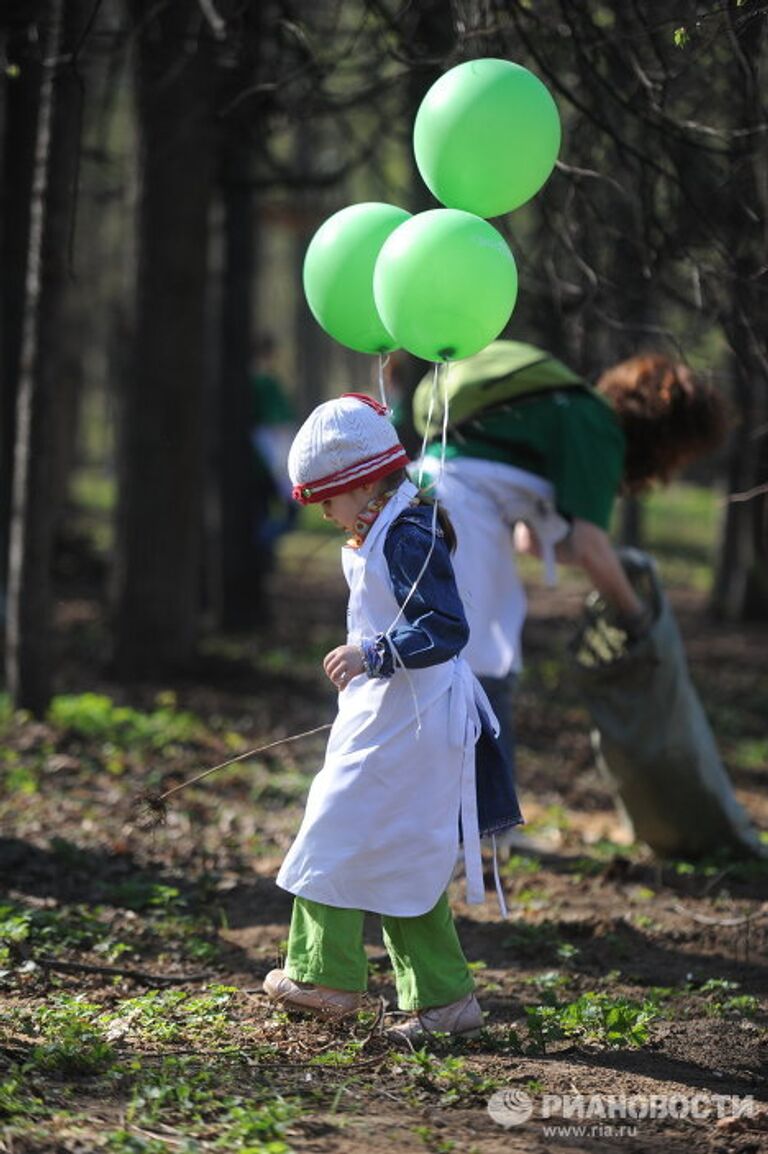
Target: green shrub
[593,1017]
[95,716]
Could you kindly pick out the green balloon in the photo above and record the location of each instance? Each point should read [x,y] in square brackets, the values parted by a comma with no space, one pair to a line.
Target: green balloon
[486,136]
[445,284]
[338,274]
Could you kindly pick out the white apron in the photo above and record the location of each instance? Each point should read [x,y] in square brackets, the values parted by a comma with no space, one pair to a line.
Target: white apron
[381,827]
[484,499]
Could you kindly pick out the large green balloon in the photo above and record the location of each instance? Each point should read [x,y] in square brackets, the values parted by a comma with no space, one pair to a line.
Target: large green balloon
[338,274]
[486,136]
[445,284]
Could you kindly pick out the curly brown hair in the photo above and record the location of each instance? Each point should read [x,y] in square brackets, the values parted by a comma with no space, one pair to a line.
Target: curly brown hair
[669,417]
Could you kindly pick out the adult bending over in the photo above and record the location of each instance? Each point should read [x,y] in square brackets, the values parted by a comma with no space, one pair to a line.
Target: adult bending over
[539,471]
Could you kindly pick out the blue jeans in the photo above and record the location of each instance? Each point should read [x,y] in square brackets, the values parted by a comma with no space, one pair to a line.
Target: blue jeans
[497,807]
[501,694]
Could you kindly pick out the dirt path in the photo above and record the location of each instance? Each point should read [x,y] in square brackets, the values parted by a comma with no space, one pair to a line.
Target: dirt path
[664,965]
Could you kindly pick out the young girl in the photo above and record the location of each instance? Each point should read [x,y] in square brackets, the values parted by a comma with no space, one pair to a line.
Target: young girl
[381,828]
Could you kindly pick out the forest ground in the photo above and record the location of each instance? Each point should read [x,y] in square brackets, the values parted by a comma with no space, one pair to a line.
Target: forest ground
[131,961]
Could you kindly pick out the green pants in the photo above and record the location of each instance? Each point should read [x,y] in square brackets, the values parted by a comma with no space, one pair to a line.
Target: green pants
[325,947]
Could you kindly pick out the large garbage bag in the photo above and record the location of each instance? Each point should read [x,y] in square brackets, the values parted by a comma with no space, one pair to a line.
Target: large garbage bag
[652,737]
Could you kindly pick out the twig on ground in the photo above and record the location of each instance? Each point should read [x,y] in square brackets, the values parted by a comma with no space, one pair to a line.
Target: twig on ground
[163,1134]
[378,1025]
[744,920]
[145,976]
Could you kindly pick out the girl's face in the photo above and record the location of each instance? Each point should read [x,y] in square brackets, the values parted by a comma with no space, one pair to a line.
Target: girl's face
[344,507]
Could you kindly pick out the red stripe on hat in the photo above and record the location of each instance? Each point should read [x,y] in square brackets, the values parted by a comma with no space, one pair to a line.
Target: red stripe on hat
[361,473]
[361,467]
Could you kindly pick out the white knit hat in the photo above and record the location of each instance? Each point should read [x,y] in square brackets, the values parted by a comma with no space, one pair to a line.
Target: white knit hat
[343,444]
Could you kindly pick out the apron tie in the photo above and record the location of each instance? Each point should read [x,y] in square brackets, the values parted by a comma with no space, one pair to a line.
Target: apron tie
[473,860]
[464,730]
[497,879]
[467,734]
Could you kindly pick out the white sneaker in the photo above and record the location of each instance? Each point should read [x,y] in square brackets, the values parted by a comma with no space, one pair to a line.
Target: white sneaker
[321,1000]
[462,1019]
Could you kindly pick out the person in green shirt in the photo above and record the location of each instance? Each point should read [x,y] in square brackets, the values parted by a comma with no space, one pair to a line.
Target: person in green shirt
[534,460]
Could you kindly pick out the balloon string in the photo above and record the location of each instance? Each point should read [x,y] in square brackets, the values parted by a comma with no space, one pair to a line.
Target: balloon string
[420,573]
[398,662]
[435,501]
[396,657]
[428,427]
[383,362]
[444,430]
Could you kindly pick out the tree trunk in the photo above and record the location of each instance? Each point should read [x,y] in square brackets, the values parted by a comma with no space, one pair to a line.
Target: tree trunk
[313,358]
[240,581]
[22,94]
[35,499]
[161,441]
[741,587]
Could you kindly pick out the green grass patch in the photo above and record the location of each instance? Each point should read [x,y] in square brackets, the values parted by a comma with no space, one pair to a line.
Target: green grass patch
[140,892]
[314,546]
[450,1077]
[72,1040]
[166,923]
[17,1101]
[595,1018]
[287,788]
[51,931]
[749,753]
[550,984]
[94,716]
[680,526]
[683,516]
[191,1097]
[518,864]
[124,1142]
[173,1016]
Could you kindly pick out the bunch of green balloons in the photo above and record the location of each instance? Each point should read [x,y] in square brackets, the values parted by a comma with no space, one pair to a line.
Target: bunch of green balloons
[441,284]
